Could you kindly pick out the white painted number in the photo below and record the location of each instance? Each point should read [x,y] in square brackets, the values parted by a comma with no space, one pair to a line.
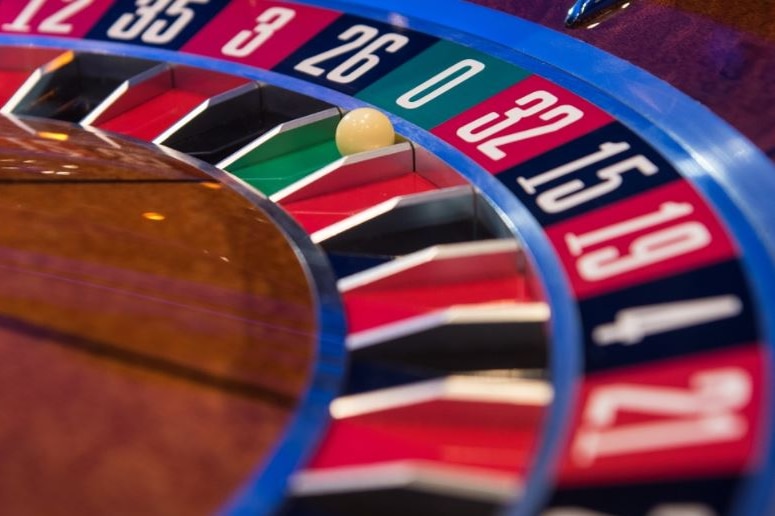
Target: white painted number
[648,249]
[573,193]
[362,36]
[536,103]
[245,42]
[682,509]
[704,413]
[419,95]
[53,24]
[144,21]
[632,325]
[668,509]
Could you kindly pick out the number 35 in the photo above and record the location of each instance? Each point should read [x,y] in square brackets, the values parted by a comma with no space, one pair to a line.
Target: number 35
[144,23]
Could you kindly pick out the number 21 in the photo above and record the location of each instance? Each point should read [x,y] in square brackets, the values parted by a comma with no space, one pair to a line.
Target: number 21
[708,412]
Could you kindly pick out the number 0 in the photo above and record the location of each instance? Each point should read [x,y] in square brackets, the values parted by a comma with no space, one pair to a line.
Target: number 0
[465,69]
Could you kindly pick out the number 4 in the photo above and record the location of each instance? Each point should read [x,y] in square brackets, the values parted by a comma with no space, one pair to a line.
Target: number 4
[632,325]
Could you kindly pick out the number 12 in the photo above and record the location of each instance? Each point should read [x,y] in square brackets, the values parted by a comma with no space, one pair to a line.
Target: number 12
[54,24]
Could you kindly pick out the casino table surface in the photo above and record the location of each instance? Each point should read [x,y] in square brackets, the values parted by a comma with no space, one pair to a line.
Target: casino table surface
[550,294]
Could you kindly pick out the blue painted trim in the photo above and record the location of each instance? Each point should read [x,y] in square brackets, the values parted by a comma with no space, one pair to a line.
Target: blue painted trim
[565,328]
[263,493]
[726,168]
[731,173]
[622,89]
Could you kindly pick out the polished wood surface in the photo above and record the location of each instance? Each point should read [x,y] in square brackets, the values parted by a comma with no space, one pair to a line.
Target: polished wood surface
[156,329]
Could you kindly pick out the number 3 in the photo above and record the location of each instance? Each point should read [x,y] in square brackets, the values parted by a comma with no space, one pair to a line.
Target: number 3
[245,42]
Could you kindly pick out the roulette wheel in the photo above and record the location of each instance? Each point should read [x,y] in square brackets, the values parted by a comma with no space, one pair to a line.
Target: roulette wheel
[549,295]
